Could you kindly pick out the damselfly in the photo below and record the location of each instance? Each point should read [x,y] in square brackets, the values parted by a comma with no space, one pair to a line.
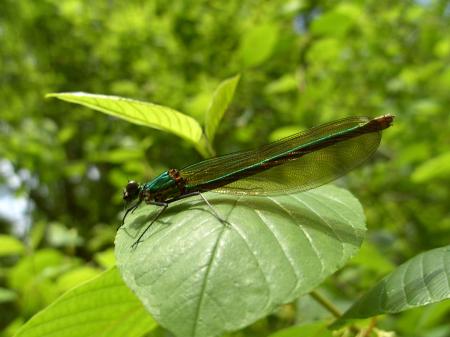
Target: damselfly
[296,163]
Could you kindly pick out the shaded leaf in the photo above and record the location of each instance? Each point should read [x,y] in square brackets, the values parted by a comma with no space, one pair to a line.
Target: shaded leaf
[200,277]
[421,280]
[103,306]
[219,103]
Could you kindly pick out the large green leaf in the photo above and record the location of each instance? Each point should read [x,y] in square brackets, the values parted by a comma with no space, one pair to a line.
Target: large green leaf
[103,306]
[141,113]
[422,280]
[200,277]
[219,103]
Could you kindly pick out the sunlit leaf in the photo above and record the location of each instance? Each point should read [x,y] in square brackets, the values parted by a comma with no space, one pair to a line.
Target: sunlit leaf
[42,264]
[7,295]
[106,258]
[257,44]
[435,168]
[77,276]
[221,99]
[325,50]
[103,306]
[200,277]
[284,131]
[9,245]
[122,155]
[332,24]
[422,280]
[138,112]
[286,83]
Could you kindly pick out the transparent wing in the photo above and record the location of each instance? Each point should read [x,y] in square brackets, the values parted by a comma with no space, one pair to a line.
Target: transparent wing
[309,171]
[290,174]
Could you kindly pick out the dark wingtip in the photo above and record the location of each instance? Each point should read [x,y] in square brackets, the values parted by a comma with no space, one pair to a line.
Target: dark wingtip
[379,123]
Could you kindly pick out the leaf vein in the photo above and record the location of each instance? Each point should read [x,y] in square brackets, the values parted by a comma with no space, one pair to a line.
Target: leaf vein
[305,232]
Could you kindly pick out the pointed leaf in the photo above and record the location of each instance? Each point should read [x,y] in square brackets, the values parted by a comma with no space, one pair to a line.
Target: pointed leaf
[200,277]
[422,280]
[219,103]
[103,306]
[138,112]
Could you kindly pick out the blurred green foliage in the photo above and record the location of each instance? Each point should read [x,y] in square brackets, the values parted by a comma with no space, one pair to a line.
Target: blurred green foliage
[301,63]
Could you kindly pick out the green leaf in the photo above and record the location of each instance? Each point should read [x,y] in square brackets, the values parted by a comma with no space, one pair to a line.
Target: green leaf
[284,131]
[369,257]
[103,306]
[44,263]
[77,276]
[138,112]
[421,280]
[257,44]
[9,245]
[219,103]
[7,295]
[435,168]
[332,24]
[285,83]
[120,156]
[200,277]
[106,258]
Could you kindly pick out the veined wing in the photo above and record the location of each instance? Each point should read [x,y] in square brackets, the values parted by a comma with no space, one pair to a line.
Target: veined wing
[298,162]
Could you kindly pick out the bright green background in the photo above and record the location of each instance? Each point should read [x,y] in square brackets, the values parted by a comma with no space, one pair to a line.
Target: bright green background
[301,63]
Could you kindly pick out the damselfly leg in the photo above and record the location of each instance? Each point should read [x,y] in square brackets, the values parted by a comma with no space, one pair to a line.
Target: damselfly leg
[164,206]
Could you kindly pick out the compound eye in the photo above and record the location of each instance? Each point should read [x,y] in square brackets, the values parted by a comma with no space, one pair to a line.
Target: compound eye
[131,191]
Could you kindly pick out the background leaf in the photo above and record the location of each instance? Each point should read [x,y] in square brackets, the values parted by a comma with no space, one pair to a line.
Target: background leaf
[434,168]
[141,113]
[9,245]
[421,280]
[199,277]
[7,295]
[332,24]
[219,103]
[103,306]
[258,43]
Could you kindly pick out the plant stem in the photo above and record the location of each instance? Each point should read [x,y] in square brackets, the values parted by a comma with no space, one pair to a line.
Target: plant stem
[326,303]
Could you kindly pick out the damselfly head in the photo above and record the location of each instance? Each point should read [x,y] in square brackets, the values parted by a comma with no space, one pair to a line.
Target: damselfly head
[131,191]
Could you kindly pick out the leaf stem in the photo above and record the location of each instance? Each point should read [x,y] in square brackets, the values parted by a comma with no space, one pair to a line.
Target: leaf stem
[326,303]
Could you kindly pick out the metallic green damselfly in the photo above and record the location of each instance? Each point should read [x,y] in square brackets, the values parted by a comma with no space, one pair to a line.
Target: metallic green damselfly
[296,163]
